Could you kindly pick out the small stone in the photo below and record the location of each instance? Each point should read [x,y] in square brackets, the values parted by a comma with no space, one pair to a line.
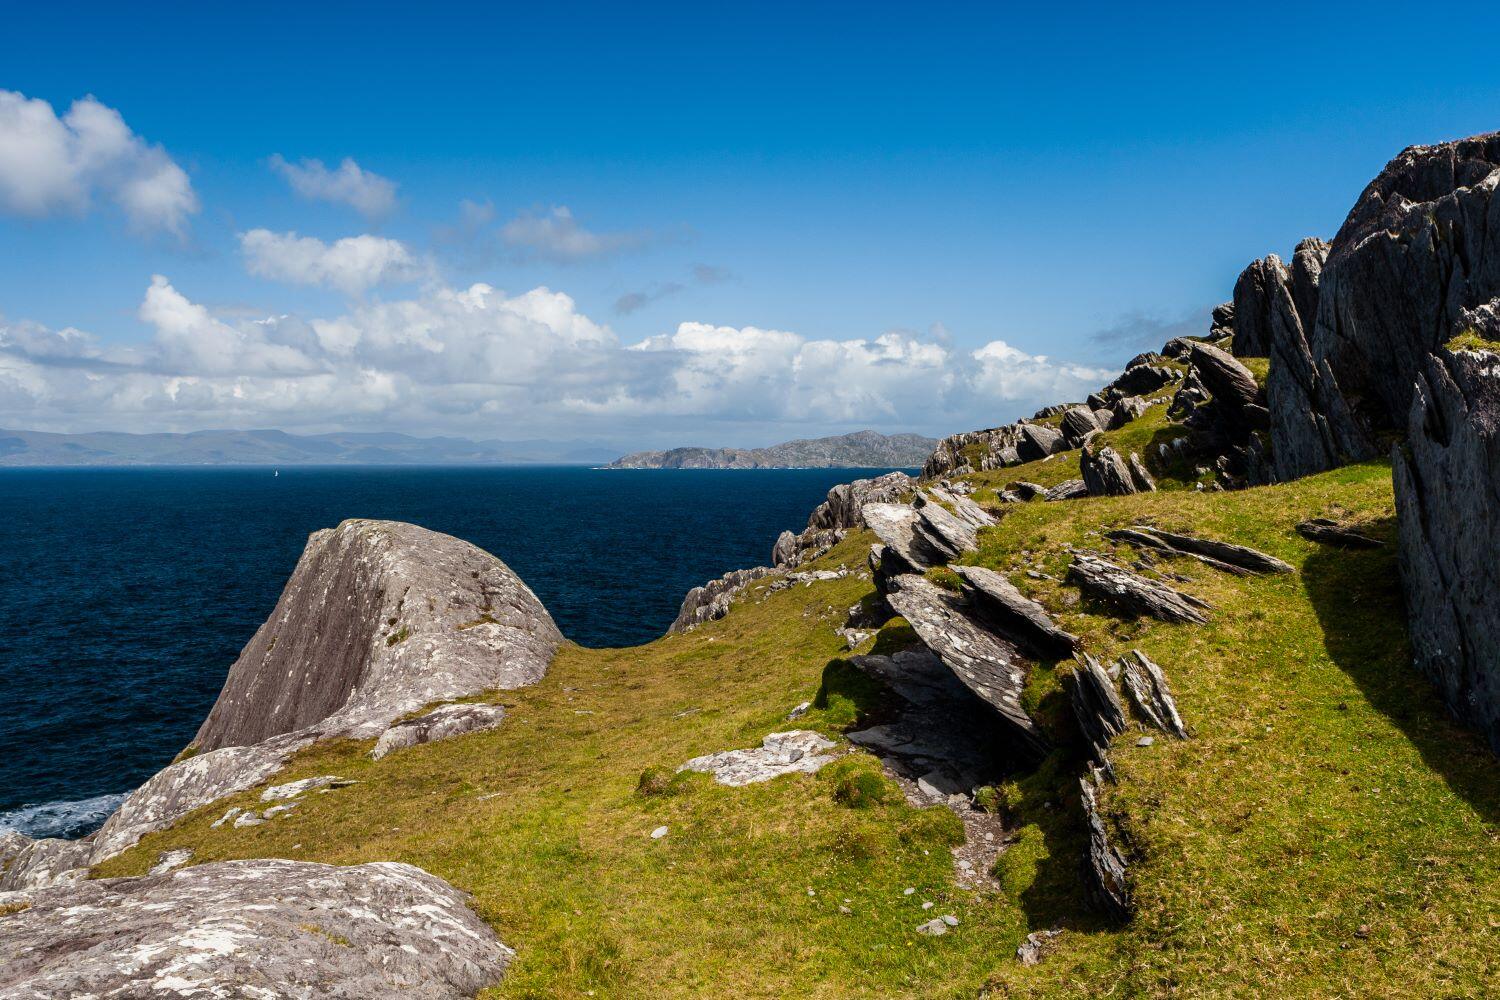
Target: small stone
[658,833]
[799,711]
[845,909]
[275,811]
[950,920]
[936,927]
[169,860]
[1145,741]
[908,891]
[247,819]
[231,814]
[926,906]
[1363,932]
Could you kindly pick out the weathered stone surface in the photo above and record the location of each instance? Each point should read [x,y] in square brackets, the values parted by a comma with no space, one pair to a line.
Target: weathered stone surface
[1253,294]
[1037,441]
[896,526]
[963,508]
[1447,480]
[1146,686]
[944,531]
[972,451]
[796,752]
[1128,409]
[785,549]
[1139,476]
[1104,866]
[265,928]
[1078,422]
[1416,252]
[916,675]
[1232,386]
[1321,529]
[1226,556]
[1096,706]
[27,864]
[711,601]
[1221,321]
[1133,594]
[441,723]
[379,619]
[1141,380]
[1026,490]
[179,788]
[1105,473]
[1071,489]
[988,665]
[293,789]
[1013,614]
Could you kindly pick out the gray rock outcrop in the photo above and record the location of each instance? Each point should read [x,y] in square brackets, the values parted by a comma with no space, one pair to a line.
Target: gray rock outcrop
[1105,473]
[1329,532]
[1104,868]
[840,512]
[1447,479]
[1096,706]
[1133,594]
[265,928]
[379,619]
[989,666]
[442,723]
[711,601]
[1014,614]
[1146,686]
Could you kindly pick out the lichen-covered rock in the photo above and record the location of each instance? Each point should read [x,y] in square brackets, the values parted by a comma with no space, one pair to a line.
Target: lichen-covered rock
[265,928]
[1037,441]
[711,601]
[1104,866]
[1134,594]
[1146,686]
[1078,422]
[1013,614]
[840,512]
[379,619]
[1446,479]
[442,723]
[896,525]
[796,752]
[989,666]
[179,788]
[27,864]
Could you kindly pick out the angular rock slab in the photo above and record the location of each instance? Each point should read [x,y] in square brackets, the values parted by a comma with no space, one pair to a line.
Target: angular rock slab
[796,752]
[443,723]
[711,601]
[989,666]
[896,526]
[1015,614]
[1134,594]
[1146,686]
[1105,473]
[267,928]
[1096,706]
[1104,866]
[1327,532]
[379,619]
[1238,559]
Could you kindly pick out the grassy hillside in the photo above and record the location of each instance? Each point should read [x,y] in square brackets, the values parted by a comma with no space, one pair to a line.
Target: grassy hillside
[1326,832]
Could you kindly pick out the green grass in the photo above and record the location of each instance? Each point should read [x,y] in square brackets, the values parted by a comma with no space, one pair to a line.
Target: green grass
[1326,832]
[1470,340]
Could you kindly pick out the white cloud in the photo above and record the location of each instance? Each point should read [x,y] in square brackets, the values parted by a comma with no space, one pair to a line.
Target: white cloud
[370,194]
[50,165]
[481,363]
[352,265]
[558,237]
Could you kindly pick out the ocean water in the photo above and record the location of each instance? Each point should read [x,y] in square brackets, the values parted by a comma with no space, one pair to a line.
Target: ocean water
[125,594]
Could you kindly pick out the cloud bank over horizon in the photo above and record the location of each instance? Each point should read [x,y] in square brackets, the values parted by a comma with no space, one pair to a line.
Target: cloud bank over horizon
[478,362]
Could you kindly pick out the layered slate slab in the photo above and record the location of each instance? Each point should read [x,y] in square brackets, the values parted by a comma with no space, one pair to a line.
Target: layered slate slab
[989,666]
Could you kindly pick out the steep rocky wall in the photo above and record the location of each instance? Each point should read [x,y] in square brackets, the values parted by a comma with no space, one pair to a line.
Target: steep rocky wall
[1447,481]
[378,619]
[1421,246]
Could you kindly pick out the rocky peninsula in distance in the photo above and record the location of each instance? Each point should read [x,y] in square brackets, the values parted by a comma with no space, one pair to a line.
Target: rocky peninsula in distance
[857,450]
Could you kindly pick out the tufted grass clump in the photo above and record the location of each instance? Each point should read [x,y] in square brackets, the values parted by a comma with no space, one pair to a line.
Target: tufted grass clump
[858,782]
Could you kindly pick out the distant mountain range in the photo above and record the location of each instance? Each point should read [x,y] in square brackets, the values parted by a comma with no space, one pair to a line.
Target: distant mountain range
[860,450]
[38,448]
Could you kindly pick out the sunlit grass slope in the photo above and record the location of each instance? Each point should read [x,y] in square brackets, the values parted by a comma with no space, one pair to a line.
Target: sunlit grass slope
[1326,832]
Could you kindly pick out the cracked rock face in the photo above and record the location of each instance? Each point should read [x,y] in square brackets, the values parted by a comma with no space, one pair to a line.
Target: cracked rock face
[443,723]
[711,601]
[378,619]
[266,928]
[1446,481]
[1413,264]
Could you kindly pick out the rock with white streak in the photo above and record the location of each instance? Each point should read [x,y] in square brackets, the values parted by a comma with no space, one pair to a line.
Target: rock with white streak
[796,752]
[1146,686]
[267,928]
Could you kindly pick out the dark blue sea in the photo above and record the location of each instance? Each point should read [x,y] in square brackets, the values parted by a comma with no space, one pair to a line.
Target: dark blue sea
[125,594]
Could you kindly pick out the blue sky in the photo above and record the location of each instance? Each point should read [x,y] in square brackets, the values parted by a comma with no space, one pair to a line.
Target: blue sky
[754,224]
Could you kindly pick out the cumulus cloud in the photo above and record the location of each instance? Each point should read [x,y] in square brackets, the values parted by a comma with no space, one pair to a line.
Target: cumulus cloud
[557,236]
[370,194]
[352,265]
[51,165]
[479,362]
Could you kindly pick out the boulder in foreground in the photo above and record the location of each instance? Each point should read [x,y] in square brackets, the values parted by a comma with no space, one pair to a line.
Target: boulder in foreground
[266,928]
